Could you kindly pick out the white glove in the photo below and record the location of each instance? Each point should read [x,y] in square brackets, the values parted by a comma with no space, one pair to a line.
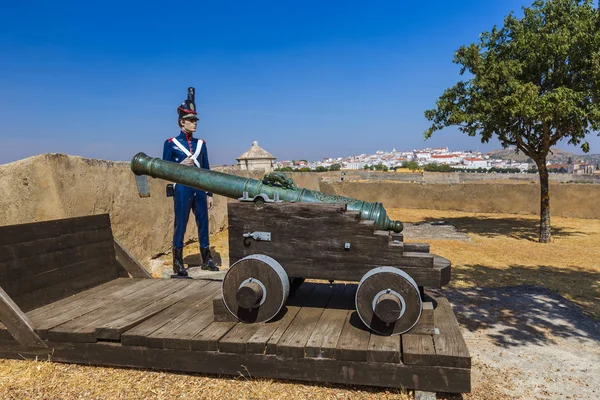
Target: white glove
[187,161]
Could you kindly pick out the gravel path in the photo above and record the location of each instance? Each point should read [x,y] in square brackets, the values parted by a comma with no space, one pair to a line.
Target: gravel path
[433,230]
[528,342]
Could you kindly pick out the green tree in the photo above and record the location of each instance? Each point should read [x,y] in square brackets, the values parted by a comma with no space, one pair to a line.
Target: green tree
[532,82]
[335,167]
[320,168]
[412,165]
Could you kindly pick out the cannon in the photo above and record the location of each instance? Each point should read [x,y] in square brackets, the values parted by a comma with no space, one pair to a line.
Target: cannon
[280,235]
[233,186]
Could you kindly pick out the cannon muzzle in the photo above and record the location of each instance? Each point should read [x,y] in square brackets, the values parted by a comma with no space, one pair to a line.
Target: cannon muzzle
[234,187]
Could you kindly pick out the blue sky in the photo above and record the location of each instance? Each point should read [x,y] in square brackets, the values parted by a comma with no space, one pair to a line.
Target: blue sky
[306,79]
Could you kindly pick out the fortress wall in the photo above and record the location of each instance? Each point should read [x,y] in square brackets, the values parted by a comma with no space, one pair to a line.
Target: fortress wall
[53,186]
[566,200]
[450,177]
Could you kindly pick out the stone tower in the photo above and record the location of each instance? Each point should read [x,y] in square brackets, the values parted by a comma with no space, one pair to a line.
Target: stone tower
[256,159]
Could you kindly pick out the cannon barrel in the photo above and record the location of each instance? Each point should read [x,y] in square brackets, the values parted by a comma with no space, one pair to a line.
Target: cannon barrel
[234,186]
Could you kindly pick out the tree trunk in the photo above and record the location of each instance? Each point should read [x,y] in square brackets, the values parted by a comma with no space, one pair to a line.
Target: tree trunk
[545,234]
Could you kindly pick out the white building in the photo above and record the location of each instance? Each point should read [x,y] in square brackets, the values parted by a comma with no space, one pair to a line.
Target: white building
[581,168]
[475,162]
[422,156]
[446,158]
[353,165]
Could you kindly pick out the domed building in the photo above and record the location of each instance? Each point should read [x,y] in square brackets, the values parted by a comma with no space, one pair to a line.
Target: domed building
[256,159]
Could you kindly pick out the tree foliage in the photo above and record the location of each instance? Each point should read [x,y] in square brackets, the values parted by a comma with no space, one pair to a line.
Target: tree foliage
[411,165]
[434,167]
[531,83]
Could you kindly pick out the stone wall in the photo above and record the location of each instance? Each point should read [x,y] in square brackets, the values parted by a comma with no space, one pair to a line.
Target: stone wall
[451,177]
[566,200]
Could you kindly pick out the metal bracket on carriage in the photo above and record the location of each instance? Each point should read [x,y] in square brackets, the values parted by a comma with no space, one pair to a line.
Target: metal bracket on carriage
[260,198]
[258,236]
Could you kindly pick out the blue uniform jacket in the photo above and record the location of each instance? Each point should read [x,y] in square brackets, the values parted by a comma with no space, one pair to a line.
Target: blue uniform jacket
[172,153]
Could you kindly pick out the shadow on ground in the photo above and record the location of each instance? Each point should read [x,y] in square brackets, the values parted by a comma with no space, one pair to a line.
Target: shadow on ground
[195,260]
[524,314]
[518,228]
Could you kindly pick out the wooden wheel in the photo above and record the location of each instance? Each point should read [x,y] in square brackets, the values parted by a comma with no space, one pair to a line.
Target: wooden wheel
[255,288]
[388,301]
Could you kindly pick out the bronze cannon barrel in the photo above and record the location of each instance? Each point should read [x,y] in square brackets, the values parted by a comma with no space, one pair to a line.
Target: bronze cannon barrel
[234,186]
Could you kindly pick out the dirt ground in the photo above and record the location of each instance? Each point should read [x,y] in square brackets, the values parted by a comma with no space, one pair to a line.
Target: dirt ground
[529,312]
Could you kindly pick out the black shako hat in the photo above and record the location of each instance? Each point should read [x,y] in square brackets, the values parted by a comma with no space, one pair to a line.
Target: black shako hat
[187,109]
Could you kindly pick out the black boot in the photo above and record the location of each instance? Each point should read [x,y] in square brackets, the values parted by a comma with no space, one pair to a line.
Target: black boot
[178,266]
[207,262]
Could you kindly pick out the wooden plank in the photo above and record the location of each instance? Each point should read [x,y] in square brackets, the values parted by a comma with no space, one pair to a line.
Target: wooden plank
[48,311]
[77,307]
[133,306]
[114,328]
[12,234]
[266,337]
[323,340]
[235,340]
[31,265]
[294,339]
[52,244]
[354,340]
[50,277]
[180,338]
[129,263]
[208,338]
[60,306]
[178,334]
[389,375]
[450,346]
[443,265]
[155,339]
[383,349]
[66,288]
[170,319]
[17,323]
[416,247]
[83,327]
[426,324]
[220,312]
[418,350]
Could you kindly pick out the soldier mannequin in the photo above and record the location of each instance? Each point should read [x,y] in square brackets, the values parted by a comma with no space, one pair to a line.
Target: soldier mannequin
[190,151]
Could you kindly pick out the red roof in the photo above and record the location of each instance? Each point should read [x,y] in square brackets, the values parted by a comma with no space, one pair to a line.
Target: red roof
[473,159]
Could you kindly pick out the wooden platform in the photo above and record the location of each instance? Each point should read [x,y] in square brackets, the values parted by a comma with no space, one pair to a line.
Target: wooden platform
[167,324]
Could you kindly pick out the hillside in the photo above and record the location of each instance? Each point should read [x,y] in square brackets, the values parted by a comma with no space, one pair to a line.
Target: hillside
[556,156]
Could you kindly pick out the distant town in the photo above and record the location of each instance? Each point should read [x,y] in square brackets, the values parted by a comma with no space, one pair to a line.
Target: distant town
[438,159]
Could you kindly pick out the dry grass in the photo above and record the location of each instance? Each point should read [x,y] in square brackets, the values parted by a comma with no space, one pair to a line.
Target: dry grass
[502,252]
[47,380]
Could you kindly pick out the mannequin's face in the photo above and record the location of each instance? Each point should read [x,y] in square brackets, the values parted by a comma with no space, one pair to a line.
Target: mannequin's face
[189,125]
